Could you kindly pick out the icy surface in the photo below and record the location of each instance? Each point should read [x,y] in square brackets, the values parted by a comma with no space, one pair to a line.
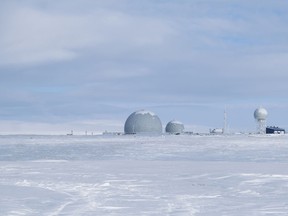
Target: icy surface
[132,175]
[144,112]
[176,122]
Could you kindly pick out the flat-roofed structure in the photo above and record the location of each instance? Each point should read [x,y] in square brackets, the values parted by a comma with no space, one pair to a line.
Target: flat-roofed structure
[274,130]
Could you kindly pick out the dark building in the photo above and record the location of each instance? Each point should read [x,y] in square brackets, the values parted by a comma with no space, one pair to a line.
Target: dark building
[274,130]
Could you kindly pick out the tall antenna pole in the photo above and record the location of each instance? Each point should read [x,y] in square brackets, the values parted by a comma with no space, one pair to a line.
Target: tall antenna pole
[225,121]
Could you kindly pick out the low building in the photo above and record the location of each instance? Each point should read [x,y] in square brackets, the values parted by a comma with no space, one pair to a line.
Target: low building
[274,130]
[217,131]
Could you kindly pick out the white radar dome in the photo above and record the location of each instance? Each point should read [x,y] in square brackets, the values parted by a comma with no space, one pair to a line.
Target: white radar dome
[174,127]
[143,121]
[260,114]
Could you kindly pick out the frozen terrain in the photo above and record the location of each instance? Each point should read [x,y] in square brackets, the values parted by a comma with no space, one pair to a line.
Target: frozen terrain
[133,175]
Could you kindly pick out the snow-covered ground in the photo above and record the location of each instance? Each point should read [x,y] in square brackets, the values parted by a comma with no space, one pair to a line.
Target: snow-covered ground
[133,175]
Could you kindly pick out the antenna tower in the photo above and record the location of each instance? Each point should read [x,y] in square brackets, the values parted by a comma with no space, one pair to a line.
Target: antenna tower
[225,122]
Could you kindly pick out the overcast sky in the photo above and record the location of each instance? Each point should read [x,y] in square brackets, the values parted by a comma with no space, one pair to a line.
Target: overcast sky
[88,64]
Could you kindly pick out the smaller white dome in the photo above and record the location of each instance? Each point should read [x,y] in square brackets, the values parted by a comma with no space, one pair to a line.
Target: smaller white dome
[174,127]
[260,114]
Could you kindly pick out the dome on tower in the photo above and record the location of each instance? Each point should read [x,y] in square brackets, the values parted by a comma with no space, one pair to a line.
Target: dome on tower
[143,121]
[174,127]
[260,114]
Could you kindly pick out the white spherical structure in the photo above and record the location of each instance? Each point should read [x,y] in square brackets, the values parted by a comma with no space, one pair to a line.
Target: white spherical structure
[174,127]
[143,121]
[260,114]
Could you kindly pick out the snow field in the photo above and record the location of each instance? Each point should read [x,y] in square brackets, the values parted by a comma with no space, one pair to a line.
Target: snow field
[130,175]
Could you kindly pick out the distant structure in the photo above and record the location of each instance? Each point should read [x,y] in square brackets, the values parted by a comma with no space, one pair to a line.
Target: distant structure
[143,122]
[274,130]
[70,134]
[217,131]
[221,130]
[260,115]
[174,127]
[225,122]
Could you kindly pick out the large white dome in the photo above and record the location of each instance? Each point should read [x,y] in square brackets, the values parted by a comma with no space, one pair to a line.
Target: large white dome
[260,114]
[174,127]
[143,121]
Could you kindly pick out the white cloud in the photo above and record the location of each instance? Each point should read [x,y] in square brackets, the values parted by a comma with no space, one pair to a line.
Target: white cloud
[30,35]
